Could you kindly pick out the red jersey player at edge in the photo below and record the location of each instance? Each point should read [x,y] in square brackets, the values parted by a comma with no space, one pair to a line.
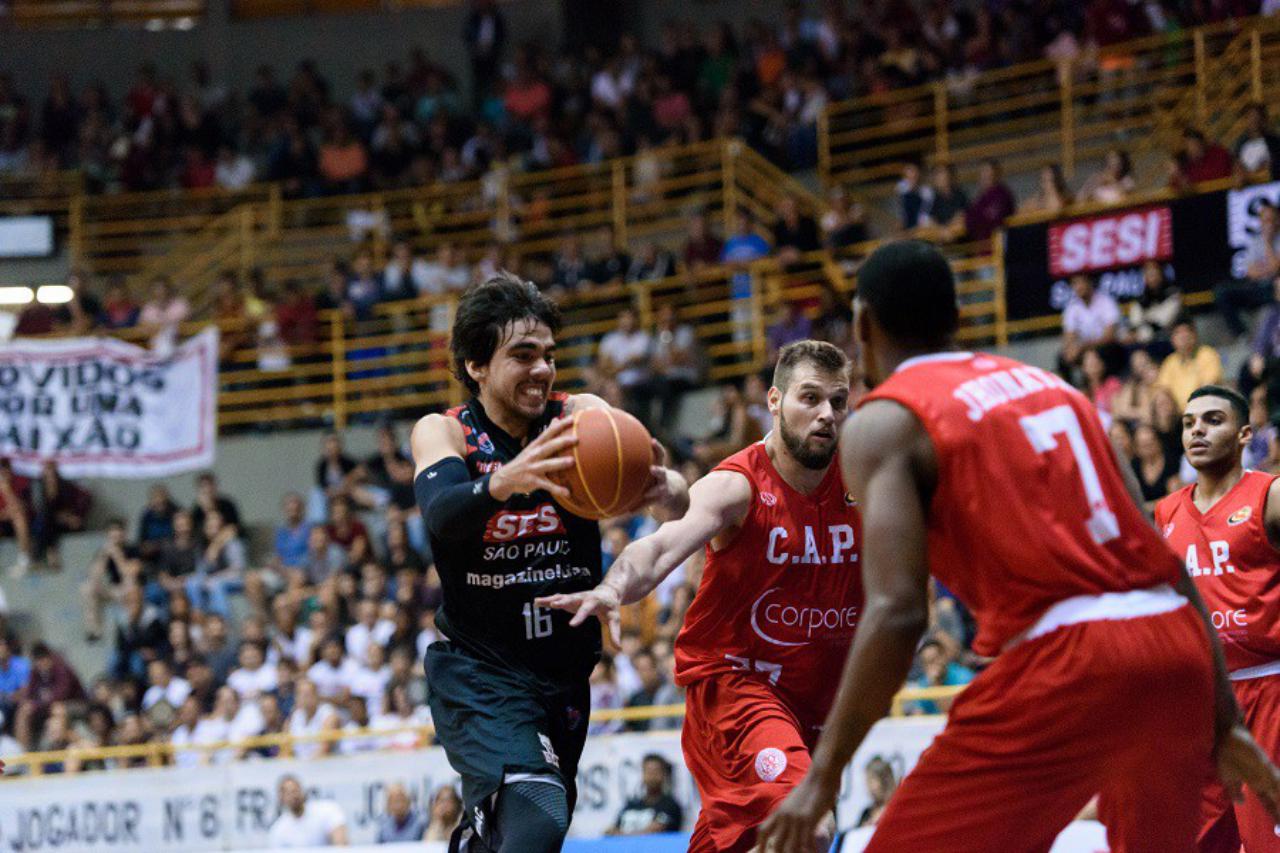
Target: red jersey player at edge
[777,607]
[1228,525]
[998,478]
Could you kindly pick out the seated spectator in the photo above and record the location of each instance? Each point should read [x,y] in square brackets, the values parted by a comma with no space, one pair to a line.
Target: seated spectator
[1151,315]
[654,810]
[336,476]
[654,690]
[402,823]
[333,674]
[353,742]
[732,428]
[624,355]
[209,499]
[364,287]
[1200,160]
[367,629]
[185,723]
[289,639]
[943,212]
[1264,359]
[913,196]
[993,204]
[1157,472]
[60,507]
[792,325]
[162,314]
[1133,403]
[1257,151]
[348,532]
[371,677]
[229,721]
[446,812]
[254,677]
[14,516]
[651,264]
[881,784]
[297,320]
[1098,385]
[401,720]
[325,558]
[233,171]
[343,162]
[1053,195]
[1190,365]
[1091,319]
[605,695]
[176,561]
[116,566]
[51,682]
[119,310]
[215,646]
[140,636]
[220,568]
[675,364]
[795,233]
[155,525]
[15,671]
[311,717]
[569,269]
[845,221]
[446,273]
[306,822]
[938,669]
[742,247]
[610,263]
[291,535]
[1263,450]
[701,248]
[1111,184]
[1261,265]
[164,686]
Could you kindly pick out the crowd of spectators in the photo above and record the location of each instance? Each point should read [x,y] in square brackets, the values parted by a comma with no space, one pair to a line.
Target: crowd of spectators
[411,123]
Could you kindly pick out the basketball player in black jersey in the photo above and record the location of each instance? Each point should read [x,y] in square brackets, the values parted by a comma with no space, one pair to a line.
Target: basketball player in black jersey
[508,687]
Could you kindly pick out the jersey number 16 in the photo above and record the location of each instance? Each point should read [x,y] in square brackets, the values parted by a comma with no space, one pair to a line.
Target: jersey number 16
[537,621]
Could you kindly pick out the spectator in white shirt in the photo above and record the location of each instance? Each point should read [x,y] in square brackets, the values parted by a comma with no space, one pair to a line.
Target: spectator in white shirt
[255,676]
[624,356]
[184,731]
[290,640]
[233,171]
[402,719]
[307,823]
[162,315]
[165,686]
[1091,321]
[357,721]
[311,717]
[446,273]
[368,629]
[332,674]
[372,677]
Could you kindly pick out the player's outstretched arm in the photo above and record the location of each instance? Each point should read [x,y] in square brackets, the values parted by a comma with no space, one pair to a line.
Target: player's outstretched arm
[888,463]
[717,503]
[456,507]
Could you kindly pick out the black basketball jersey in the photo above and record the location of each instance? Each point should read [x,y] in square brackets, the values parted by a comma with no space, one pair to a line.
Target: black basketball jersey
[531,546]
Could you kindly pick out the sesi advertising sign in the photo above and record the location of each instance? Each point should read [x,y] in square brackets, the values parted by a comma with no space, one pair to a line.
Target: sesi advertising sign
[1104,242]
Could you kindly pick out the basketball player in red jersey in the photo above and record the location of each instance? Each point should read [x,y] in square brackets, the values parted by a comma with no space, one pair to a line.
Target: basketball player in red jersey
[777,607]
[998,478]
[1227,526]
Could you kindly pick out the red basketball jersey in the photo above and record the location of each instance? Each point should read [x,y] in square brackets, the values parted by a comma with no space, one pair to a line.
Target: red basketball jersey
[1233,564]
[782,599]
[1030,507]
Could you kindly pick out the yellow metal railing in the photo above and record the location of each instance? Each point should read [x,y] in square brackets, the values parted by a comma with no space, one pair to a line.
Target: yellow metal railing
[1137,95]
[159,754]
[41,14]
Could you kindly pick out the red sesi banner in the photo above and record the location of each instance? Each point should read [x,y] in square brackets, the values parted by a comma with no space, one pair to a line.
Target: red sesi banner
[1112,240]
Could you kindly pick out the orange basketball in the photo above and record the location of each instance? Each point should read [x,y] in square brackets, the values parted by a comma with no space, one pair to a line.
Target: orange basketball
[611,464]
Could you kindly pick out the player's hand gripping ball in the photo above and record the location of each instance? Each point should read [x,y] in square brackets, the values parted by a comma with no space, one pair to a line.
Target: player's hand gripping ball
[612,464]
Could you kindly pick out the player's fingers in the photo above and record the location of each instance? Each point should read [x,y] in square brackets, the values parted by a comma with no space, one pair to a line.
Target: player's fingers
[559,601]
[659,453]
[555,489]
[554,446]
[615,627]
[555,463]
[585,610]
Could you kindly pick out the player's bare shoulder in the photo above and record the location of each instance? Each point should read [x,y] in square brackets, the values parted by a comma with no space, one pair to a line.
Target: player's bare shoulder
[726,496]
[881,430]
[435,437]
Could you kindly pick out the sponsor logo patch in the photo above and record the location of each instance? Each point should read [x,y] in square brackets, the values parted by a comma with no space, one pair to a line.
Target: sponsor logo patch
[768,498]
[1168,530]
[549,751]
[1240,516]
[770,763]
[484,442]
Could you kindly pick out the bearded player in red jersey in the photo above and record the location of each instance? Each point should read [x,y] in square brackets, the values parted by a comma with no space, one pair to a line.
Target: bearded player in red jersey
[777,607]
[998,478]
[1227,526]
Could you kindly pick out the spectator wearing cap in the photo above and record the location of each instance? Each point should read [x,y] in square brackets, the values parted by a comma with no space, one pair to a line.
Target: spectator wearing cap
[402,823]
[1261,261]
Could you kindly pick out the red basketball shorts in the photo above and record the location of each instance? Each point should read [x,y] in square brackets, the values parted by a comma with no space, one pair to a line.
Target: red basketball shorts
[1121,708]
[746,750]
[1226,825]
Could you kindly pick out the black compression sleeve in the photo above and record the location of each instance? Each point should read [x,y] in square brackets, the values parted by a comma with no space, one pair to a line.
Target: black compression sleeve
[452,504]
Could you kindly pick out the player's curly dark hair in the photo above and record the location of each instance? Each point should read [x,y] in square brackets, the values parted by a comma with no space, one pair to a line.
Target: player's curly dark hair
[485,311]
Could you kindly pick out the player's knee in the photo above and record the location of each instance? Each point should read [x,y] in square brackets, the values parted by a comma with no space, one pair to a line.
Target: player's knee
[533,817]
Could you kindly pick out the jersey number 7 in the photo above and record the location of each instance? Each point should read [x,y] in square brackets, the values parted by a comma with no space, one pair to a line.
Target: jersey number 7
[1042,431]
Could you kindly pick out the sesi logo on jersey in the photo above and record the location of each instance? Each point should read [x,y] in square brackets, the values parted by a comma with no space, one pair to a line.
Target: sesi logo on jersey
[542,520]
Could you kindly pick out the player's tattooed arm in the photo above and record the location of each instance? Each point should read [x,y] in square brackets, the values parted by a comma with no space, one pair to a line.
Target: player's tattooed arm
[889,464]
[718,503]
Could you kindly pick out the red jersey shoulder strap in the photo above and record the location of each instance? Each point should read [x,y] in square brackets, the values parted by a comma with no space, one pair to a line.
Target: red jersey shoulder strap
[1169,504]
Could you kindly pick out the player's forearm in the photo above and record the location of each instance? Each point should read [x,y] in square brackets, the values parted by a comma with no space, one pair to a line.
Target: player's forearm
[641,567]
[877,666]
[675,502]
[1226,713]
[453,506]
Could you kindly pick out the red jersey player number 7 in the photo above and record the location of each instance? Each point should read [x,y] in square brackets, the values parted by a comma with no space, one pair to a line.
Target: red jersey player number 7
[777,607]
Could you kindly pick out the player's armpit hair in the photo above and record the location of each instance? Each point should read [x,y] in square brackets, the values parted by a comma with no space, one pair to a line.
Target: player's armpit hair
[453,506]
